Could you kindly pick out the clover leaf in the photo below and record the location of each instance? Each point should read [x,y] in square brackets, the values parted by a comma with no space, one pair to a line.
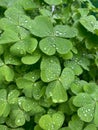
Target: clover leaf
[88,22]
[75,123]
[56,91]
[53,2]
[47,122]
[50,45]
[90,127]
[65,31]
[50,68]
[38,24]
[31,59]
[67,77]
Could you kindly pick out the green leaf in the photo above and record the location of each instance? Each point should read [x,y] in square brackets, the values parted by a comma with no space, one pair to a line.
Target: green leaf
[88,22]
[47,122]
[75,123]
[23,46]
[23,83]
[65,31]
[32,76]
[50,68]
[7,73]
[96,115]
[50,45]
[38,24]
[53,2]
[56,91]
[90,127]
[3,127]
[9,36]
[86,113]
[67,77]
[10,59]
[31,59]
[82,99]
[13,96]
[74,66]
[20,118]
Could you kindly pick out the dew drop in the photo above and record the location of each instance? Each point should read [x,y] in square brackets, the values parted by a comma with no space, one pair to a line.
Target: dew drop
[45,49]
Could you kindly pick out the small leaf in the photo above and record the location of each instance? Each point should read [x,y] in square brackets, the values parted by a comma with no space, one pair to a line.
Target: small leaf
[50,68]
[56,91]
[9,36]
[20,118]
[67,77]
[13,96]
[53,2]
[32,76]
[23,83]
[96,115]
[75,123]
[38,24]
[88,22]
[7,73]
[74,66]
[47,122]
[90,127]
[82,99]
[65,31]
[31,59]
[86,113]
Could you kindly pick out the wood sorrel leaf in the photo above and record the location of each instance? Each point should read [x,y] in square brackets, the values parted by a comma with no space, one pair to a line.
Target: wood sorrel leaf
[50,68]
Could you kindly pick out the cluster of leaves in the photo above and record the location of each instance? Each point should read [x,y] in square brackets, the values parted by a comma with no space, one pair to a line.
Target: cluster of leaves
[48,65]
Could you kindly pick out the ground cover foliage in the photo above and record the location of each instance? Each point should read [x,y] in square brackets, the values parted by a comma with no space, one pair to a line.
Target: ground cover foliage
[48,65]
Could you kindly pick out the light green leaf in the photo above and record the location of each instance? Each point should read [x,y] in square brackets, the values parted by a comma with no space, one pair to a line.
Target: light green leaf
[47,122]
[82,99]
[38,24]
[53,2]
[32,76]
[75,123]
[90,127]
[13,96]
[50,68]
[88,22]
[67,77]
[65,31]
[86,113]
[10,59]
[7,73]
[20,118]
[23,46]
[96,115]
[50,45]
[9,36]
[23,83]
[3,127]
[74,66]
[56,91]
[31,59]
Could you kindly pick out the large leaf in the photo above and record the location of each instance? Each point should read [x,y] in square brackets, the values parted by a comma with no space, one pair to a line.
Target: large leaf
[50,45]
[38,24]
[56,91]
[50,68]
